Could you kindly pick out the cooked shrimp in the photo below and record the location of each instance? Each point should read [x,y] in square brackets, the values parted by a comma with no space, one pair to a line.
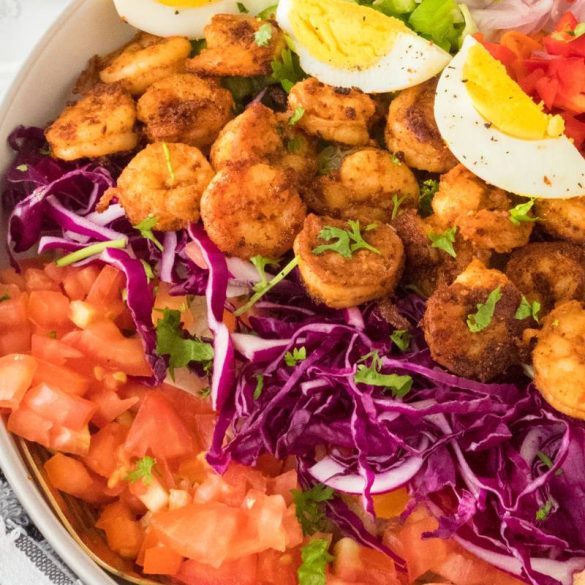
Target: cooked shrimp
[429,267]
[549,273]
[336,114]
[164,181]
[185,108]
[144,60]
[559,359]
[563,218]
[483,354]
[340,281]
[238,44]
[412,130]
[260,135]
[480,211]
[368,184]
[250,210]
[100,123]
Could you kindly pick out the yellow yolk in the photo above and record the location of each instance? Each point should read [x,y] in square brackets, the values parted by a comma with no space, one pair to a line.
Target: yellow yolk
[343,34]
[501,101]
[186,3]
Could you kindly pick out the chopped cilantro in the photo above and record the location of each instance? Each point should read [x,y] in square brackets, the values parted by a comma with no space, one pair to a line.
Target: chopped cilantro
[147,269]
[401,338]
[295,145]
[396,203]
[348,240]
[399,385]
[197,45]
[296,116]
[444,241]
[205,392]
[269,12]
[259,386]
[260,263]
[143,470]
[329,160]
[286,70]
[22,168]
[242,9]
[297,355]
[243,88]
[315,558]
[89,251]
[428,189]
[263,35]
[548,462]
[482,318]
[170,341]
[309,507]
[145,229]
[4,297]
[544,511]
[168,161]
[527,309]
[519,214]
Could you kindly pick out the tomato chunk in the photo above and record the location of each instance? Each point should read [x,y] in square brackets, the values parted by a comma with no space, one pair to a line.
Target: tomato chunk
[53,350]
[123,533]
[49,309]
[16,376]
[354,562]
[241,572]
[104,447]
[65,379]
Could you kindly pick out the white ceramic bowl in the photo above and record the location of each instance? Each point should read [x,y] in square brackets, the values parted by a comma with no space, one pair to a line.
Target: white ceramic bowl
[37,95]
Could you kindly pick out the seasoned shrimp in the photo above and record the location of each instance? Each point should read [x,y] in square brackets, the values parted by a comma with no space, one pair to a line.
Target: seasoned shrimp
[549,273]
[480,211]
[366,187]
[185,108]
[429,267]
[336,114]
[559,359]
[100,123]
[163,181]
[340,281]
[483,354]
[250,210]
[260,135]
[238,44]
[563,218]
[412,130]
[144,60]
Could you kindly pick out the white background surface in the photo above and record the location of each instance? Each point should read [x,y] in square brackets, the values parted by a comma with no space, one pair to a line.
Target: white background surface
[22,22]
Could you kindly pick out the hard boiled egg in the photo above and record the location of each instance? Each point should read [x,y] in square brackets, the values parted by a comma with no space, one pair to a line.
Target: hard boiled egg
[348,45]
[495,129]
[186,18]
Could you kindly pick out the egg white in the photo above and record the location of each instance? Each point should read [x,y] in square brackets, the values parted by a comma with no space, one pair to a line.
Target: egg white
[166,21]
[548,168]
[410,61]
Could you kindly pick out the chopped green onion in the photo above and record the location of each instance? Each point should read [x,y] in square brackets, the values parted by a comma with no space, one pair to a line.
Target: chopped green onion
[167,154]
[89,251]
[145,229]
[263,35]
[259,386]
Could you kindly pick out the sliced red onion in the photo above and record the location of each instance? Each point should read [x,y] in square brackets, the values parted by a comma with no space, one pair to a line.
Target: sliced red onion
[168,256]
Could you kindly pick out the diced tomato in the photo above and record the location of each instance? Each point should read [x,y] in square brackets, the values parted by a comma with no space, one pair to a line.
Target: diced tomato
[104,343]
[292,529]
[68,440]
[276,568]
[460,569]
[30,426]
[10,276]
[334,580]
[161,560]
[36,280]
[283,485]
[575,129]
[16,341]
[243,571]
[107,287]
[109,406]
[48,309]
[123,533]
[78,282]
[102,457]
[354,562]
[159,430]
[391,504]
[56,273]
[521,45]
[269,465]
[16,376]
[13,312]
[61,377]
[53,350]
[499,52]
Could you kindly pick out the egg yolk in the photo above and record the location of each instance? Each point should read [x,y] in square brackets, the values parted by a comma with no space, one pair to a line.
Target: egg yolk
[186,3]
[501,101]
[343,34]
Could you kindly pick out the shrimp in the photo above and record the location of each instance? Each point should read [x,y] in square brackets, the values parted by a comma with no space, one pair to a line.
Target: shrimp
[370,185]
[563,218]
[549,273]
[412,130]
[483,354]
[340,281]
[144,60]
[559,359]
[165,182]
[100,123]
[335,114]
[250,210]
[260,135]
[429,267]
[238,44]
[185,108]
[480,211]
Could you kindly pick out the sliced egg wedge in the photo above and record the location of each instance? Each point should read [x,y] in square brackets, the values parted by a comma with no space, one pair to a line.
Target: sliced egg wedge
[495,130]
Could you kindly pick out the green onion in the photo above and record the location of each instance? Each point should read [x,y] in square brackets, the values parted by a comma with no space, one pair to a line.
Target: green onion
[90,251]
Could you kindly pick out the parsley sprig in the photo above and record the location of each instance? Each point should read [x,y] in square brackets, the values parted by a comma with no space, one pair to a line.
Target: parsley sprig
[309,505]
[444,241]
[286,70]
[260,263]
[398,385]
[348,240]
[519,214]
[143,471]
[401,339]
[527,309]
[315,558]
[428,188]
[297,355]
[482,318]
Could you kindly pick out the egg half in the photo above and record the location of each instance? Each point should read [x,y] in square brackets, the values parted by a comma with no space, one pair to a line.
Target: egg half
[495,129]
[186,18]
[347,45]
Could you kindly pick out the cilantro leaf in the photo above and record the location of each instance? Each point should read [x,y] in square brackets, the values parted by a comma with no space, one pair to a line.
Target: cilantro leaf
[401,338]
[168,161]
[286,70]
[263,35]
[147,269]
[242,8]
[197,45]
[444,241]
[143,470]
[309,507]
[482,318]
[145,228]
[348,240]
[315,556]
[544,511]
[428,189]
[259,386]
[296,116]
[527,309]
[329,160]
[295,144]
[519,214]
[260,263]
[298,355]
[396,203]
[399,385]
[205,392]
[170,341]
